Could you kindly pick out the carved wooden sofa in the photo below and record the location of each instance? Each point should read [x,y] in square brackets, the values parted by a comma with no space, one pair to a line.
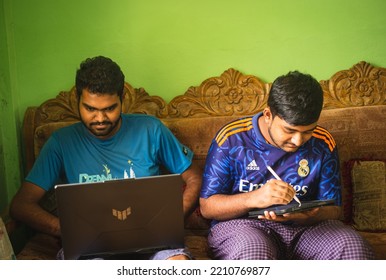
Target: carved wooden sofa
[354,111]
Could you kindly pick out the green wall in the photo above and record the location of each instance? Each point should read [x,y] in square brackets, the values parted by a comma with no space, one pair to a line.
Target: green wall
[4,87]
[167,46]
[9,120]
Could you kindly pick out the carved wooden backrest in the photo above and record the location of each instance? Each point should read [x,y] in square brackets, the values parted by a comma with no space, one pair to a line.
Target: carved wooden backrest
[361,85]
[65,106]
[230,94]
[236,94]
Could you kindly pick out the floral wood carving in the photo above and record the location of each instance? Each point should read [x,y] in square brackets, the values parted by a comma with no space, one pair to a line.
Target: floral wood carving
[65,106]
[362,85]
[62,108]
[230,94]
[140,102]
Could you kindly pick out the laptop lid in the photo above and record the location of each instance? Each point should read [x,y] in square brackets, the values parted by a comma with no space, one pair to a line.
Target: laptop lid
[121,216]
[291,207]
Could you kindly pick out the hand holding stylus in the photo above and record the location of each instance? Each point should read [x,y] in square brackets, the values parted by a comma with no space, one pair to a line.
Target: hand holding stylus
[278,178]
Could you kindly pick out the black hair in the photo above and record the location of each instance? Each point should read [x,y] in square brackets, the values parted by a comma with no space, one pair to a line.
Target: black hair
[296,98]
[99,75]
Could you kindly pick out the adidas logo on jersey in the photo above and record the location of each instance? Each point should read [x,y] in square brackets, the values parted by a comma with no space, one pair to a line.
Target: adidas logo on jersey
[253,166]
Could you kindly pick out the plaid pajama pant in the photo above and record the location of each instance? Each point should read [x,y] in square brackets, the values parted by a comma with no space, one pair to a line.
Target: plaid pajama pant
[249,239]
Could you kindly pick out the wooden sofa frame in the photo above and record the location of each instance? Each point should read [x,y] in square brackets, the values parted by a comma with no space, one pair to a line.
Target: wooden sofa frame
[221,99]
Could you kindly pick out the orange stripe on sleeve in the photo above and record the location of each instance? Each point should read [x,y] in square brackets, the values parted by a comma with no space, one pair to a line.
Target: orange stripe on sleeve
[324,135]
[233,128]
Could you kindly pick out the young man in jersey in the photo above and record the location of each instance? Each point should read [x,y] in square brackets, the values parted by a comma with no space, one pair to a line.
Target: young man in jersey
[236,180]
[105,144]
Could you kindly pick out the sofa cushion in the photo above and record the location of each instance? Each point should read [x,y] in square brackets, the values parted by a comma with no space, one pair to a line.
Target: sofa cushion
[359,133]
[197,133]
[368,186]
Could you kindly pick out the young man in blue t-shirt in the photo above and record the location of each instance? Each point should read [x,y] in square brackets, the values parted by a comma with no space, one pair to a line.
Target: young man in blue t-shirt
[286,137]
[105,145]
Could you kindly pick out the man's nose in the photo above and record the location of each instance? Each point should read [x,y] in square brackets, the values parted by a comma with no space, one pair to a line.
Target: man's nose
[297,139]
[100,116]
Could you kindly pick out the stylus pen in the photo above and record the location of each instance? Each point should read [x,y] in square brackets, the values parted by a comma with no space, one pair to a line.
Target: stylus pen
[278,178]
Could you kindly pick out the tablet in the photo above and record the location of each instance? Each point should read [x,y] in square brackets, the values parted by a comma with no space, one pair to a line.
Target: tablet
[291,207]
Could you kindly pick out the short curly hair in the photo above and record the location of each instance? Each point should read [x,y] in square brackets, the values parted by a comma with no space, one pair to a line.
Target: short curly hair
[296,98]
[100,75]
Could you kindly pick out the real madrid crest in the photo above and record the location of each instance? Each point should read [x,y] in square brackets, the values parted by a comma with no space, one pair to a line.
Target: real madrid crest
[303,169]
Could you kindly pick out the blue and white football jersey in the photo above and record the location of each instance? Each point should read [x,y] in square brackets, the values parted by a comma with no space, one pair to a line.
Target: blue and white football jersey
[239,155]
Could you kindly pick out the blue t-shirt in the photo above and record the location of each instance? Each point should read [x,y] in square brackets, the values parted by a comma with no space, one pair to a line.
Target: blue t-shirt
[239,155]
[139,148]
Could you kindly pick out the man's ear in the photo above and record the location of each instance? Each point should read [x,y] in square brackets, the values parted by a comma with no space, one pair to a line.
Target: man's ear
[267,115]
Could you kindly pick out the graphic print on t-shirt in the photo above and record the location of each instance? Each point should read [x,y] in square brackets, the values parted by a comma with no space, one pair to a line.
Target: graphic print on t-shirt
[131,171]
[105,176]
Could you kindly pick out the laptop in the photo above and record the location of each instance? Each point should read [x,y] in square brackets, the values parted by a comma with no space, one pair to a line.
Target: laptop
[291,207]
[118,217]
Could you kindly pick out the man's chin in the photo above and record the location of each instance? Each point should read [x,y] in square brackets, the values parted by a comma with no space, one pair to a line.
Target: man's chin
[289,148]
[100,133]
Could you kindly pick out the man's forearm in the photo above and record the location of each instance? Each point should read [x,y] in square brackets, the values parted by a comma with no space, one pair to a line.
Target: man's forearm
[37,218]
[193,179]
